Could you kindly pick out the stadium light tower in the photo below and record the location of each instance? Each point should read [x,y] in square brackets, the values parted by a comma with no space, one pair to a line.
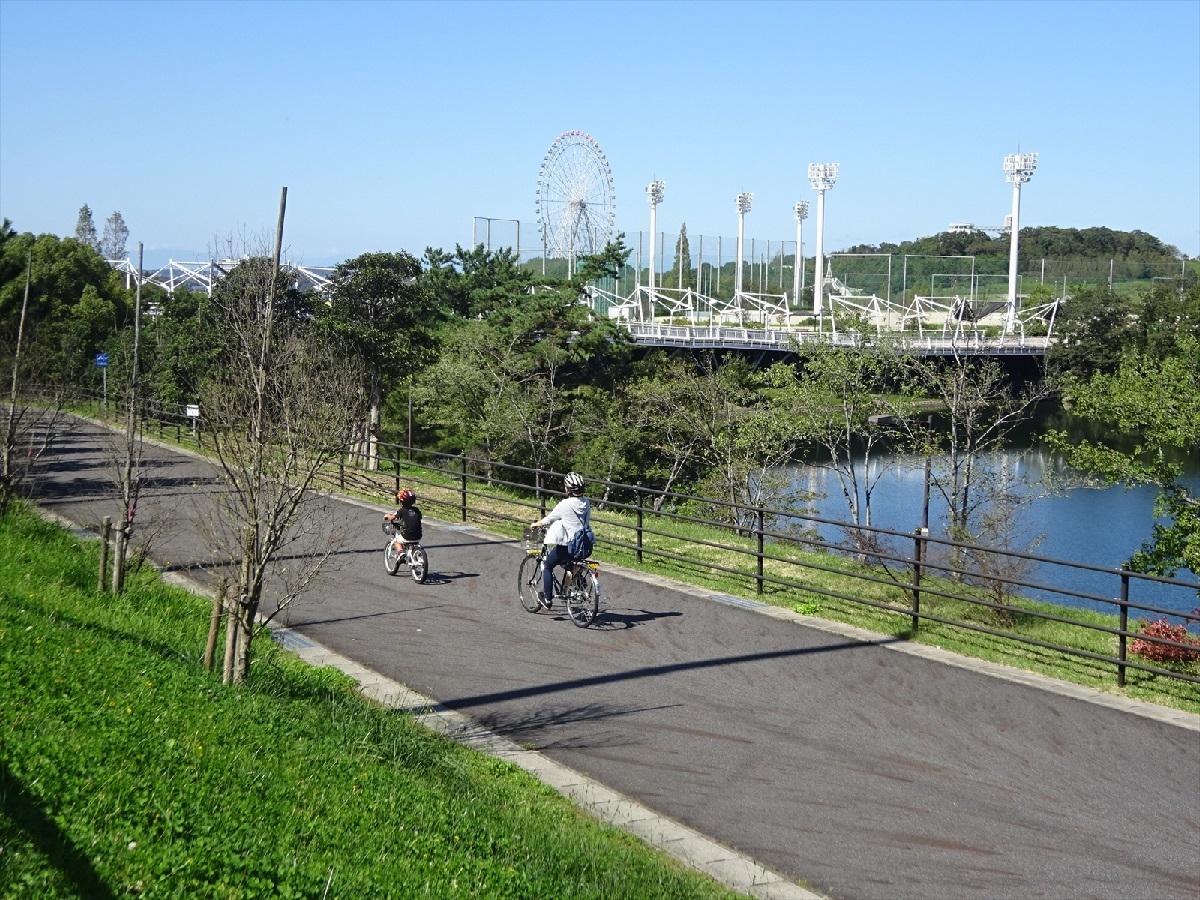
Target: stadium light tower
[822,176]
[801,211]
[654,193]
[744,201]
[1018,169]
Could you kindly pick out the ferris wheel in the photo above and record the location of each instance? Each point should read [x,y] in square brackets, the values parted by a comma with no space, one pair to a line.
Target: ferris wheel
[576,203]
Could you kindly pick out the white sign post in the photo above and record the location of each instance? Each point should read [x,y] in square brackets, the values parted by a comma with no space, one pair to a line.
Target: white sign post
[192,411]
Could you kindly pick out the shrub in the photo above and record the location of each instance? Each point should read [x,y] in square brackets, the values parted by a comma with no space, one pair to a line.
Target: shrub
[1163,629]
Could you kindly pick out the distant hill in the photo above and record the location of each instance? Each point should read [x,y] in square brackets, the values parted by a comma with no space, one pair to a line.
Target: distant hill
[1045,241]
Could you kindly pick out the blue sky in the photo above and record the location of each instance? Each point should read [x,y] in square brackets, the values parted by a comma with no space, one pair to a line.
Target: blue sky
[393,124]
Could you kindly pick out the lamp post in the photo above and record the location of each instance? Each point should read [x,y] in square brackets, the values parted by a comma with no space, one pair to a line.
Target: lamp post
[744,201]
[1018,169]
[801,211]
[654,193]
[822,176]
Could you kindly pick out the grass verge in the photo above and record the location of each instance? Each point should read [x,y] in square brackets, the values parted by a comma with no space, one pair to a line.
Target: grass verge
[127,768]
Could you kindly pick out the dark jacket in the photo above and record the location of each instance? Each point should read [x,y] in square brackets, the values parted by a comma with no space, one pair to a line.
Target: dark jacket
[408,523]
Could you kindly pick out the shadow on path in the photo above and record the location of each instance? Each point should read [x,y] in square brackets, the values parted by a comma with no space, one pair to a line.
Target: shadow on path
[653,672]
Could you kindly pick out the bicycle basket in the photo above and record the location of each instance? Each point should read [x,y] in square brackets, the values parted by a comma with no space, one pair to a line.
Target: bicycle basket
[533,539]
[389,528]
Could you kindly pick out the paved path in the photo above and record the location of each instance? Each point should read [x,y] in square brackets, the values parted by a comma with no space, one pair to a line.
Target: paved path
[861,771]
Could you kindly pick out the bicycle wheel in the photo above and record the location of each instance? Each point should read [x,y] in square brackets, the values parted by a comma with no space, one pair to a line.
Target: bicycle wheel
[529,582]
[582,597]
[391,559]
[418,564]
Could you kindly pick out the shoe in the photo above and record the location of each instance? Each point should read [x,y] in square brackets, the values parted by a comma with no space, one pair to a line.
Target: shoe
[541,598]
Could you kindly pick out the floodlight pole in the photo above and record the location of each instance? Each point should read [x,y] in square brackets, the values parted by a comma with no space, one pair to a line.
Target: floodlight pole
[822,176]
[1018,169]
[801,210]
[654,192]
[744,201]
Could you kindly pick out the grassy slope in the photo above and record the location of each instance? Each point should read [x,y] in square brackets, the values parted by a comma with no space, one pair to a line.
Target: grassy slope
[125,767]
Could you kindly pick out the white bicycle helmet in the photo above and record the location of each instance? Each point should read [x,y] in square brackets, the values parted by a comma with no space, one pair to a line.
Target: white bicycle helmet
[573,483]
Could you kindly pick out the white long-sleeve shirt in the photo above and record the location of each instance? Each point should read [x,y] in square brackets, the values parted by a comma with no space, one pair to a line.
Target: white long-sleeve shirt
[569,516]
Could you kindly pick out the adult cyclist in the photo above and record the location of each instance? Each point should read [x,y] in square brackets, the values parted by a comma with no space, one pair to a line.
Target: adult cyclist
[570,515]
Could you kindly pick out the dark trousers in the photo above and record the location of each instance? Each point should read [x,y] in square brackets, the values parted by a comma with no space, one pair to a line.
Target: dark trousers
[556,556]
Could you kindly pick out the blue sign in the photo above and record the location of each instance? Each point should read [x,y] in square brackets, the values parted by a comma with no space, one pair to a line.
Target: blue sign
[102,360]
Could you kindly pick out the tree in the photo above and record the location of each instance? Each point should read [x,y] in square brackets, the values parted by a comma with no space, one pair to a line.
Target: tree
[681,275]
[278,406]
[977,411]
[28,427]
[608,263]
[116,232]
[381,308]
[1158,401]
[834,403]
[85,229]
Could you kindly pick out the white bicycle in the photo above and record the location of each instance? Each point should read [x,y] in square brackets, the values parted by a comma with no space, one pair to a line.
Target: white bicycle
[414,556]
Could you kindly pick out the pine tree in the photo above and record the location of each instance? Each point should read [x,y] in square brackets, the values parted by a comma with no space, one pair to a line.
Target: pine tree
[85,229]
[681,274]
[116,232]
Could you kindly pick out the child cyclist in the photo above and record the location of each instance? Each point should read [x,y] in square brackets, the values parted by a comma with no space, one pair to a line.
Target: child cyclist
[407,520]
[569,516]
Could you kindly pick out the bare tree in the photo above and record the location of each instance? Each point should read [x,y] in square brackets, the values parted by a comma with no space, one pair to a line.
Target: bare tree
[278,408]
[980,408]
[127,460]
[29,427]
[116,233]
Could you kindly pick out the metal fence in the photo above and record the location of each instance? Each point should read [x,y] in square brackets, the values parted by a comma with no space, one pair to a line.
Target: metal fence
[768,266]
[774,549]
[907,574]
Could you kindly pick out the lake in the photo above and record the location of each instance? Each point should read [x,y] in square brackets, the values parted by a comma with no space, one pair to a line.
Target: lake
[1063,519]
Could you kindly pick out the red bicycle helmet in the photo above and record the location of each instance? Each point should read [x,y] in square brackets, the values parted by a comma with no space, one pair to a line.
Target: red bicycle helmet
[406,497]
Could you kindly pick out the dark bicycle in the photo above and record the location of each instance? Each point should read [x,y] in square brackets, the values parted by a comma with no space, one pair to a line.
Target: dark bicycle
[414,556]
[578,587]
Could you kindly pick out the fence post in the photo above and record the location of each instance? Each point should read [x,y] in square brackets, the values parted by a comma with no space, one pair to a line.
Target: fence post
[341,473]
[178,436]
[918,560]
[105,537]
[118,569]
[396,472]
[758,530]
[541,498]
[214,625]
[1121,639]
[640,502]
[463,484]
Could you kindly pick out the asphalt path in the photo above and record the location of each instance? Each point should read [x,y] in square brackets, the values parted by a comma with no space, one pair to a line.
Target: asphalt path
[860,771]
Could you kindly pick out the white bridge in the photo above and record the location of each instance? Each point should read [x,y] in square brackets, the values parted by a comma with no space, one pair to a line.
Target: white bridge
[941,325]
[202,276]
[784,340]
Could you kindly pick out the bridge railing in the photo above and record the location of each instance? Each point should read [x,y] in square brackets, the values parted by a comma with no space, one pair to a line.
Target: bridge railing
[924,582]
[783,339]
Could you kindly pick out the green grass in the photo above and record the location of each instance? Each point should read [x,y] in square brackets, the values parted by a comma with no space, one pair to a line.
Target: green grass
[125,768]
[502,510]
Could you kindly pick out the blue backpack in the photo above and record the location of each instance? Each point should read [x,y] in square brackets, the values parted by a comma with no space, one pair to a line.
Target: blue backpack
[580,547]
